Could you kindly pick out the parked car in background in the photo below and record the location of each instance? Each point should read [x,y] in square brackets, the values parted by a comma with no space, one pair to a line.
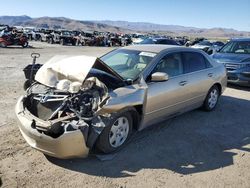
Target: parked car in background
[78,103]
[163,41]
[203,45]
[216,46]
[208,46]
[137,38]
[11,36]
[235,55]
[8,40]
[30,32]
[195,41]
[63,37]
[42,34]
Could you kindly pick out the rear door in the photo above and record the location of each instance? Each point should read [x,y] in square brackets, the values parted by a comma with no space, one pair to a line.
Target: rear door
[200,76]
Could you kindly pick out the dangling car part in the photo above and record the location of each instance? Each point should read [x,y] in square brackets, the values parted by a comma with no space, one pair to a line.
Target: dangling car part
[79,104]
[30,71]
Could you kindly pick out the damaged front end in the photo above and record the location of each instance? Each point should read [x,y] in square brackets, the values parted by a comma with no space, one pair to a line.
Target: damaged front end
[71,101]
[65,123]
[58,114]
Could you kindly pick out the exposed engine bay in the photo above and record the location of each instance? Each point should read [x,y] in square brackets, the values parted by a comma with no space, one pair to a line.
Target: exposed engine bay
[69,106]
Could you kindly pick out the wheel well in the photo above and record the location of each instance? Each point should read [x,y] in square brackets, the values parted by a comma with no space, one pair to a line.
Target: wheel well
[219,87]
[137,116]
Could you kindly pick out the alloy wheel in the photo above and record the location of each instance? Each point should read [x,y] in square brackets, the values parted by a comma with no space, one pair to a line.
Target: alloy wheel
[213,98]
[119,132]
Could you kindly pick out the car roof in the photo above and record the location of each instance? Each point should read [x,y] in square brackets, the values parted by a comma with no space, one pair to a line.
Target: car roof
[152,47]
[240,39]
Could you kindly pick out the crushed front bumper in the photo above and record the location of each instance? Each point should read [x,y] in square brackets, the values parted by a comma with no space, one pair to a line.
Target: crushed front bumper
[69,144]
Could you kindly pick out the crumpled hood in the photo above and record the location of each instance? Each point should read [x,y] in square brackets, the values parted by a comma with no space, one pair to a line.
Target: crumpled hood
[73,68]
[230,58]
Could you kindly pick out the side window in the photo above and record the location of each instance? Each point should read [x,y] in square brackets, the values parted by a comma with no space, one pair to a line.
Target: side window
[170,64]
[194,61]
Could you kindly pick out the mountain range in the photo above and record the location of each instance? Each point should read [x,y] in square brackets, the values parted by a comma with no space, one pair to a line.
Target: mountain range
[119,26]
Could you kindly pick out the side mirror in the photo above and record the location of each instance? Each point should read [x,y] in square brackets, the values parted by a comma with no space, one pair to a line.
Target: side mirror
[159,77]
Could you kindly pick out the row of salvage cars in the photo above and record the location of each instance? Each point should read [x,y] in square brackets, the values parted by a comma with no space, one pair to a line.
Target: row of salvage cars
[80,104]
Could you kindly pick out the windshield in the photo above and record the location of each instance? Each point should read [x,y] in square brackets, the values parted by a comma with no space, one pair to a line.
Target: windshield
[237,47]
[128,63]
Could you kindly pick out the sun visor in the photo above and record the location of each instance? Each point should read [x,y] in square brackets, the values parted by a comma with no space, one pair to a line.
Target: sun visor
[73,68]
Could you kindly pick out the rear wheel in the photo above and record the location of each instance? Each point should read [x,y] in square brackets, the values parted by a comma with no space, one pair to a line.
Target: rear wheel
[3,45]
[211,99]
[116,134]
[25,44]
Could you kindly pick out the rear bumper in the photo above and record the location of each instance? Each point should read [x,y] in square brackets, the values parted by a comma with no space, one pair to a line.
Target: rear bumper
[69,144]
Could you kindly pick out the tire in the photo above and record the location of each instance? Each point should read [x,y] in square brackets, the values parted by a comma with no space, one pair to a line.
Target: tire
[3,45]
[211,98]
[73,43]
[111,141]
[62,42]
[25,45]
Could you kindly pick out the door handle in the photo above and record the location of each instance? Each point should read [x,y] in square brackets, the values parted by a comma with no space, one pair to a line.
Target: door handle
[182,83]
[210,74]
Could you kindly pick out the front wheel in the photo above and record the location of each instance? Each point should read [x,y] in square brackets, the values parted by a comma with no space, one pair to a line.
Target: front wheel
[211,99]
[116,134]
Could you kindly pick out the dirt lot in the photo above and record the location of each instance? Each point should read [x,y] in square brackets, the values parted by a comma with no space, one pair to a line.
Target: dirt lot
[197,149]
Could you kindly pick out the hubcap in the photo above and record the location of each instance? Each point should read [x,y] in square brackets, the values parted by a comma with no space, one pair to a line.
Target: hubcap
[119,132]
[213,97]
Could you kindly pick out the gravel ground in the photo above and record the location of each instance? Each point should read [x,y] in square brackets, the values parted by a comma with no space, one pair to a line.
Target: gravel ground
[196,149]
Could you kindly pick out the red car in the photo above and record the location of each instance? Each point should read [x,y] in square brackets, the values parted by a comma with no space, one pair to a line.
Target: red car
[8,40]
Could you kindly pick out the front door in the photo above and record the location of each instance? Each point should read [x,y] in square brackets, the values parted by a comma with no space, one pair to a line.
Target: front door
[167,98]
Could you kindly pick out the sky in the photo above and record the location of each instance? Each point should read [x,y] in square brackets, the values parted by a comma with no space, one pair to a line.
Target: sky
[196,13]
